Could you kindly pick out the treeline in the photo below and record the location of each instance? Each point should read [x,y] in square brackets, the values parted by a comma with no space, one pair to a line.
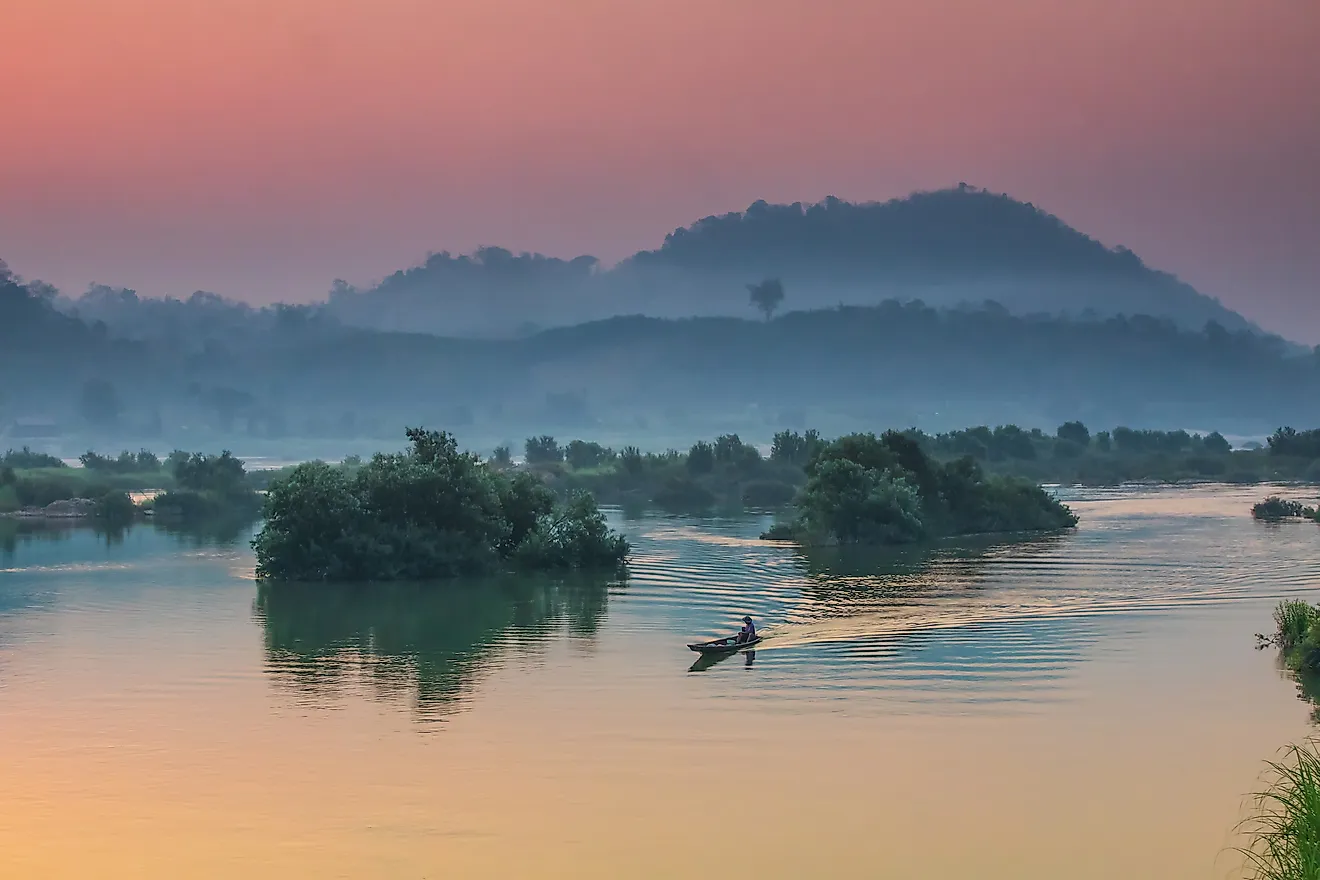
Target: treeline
[839,369]
[191,486]
[730,472]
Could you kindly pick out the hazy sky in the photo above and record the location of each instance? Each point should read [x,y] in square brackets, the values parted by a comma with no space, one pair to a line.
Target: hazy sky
[261,148]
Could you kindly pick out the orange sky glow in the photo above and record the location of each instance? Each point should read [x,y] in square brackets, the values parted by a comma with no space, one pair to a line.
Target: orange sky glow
[261,148]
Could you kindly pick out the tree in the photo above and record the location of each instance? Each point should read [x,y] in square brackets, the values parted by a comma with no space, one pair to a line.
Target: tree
[541,450]
[767,295]
[1074,431]
[850,503]
[701,458]
[582,454]
[632,460]
[794,448]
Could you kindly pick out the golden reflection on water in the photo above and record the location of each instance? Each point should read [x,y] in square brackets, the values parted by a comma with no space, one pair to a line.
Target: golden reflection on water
[1085,707]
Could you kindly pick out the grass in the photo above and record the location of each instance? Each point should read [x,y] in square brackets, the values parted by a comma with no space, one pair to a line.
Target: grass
[37,487]
[1283,829]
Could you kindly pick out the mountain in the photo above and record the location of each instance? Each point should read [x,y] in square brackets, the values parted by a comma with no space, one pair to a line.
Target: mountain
[295,383]
[948,247]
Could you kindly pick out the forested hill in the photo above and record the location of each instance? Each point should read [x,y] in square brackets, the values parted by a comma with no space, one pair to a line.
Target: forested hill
[646,380]
[945,247]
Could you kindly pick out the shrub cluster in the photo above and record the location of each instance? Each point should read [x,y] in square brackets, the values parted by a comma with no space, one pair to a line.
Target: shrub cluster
[429,512]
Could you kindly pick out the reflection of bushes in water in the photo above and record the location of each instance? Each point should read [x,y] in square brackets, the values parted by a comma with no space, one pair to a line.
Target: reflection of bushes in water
[431,637]
[220,532]
[16,531]
[854,572]
[1297,638]
[217,531]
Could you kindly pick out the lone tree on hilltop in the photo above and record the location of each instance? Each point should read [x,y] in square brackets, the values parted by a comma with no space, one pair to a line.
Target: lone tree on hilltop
[767,295]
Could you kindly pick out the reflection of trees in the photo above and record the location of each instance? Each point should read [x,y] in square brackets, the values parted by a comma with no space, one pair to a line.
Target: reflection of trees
[15,531]
[1308,686]
[430,639]
[853,576]
[223,530]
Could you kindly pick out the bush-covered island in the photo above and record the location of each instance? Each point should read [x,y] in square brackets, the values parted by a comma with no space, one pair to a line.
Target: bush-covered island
[429,512]
[887,490]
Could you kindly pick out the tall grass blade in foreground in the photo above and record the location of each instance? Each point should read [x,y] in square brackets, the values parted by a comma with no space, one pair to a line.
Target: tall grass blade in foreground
[1284,827]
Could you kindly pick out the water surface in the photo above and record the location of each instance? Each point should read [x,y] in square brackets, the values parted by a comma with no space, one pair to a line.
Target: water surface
[1084,705]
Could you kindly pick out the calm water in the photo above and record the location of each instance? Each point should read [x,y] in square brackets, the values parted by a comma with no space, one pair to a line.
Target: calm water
[1083,706]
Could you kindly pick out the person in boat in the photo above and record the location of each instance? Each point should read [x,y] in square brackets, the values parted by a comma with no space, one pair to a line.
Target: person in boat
[748,632]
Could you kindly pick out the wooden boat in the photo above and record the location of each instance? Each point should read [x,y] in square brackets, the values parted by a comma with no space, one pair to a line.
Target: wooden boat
[724,646]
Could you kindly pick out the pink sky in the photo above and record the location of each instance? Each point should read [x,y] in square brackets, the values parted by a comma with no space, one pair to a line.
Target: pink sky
[261,148]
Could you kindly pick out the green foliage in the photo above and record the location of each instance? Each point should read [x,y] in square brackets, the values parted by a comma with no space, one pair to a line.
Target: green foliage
[26,459]
[541,450]
[115,507]
[1276,508]
[1125,455]
[864,489]
[1294,443]
[790,447]
[502,457]
[190,506]
[222,474]
[582,455]
[575,537]
[1283,830]
[701,458]
[429,512]
[1074,432]
[1292,621]
[126,463]
[9,499]
[849,503]
[632,460]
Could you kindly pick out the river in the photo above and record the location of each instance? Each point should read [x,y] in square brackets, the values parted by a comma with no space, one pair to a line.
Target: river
[1088,705]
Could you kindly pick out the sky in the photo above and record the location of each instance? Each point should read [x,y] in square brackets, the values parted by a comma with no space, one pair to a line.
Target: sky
[262,148]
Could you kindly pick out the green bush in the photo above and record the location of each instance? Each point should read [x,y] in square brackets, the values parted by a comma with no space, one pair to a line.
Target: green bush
[115,507]
[574,537]
[430,512]
[1276,508]
[867,489]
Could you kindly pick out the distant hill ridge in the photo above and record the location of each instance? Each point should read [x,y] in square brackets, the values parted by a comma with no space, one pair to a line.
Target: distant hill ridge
[946,247]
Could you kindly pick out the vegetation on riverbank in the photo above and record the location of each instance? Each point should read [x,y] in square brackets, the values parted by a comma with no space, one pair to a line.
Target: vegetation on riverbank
[190,485]
[429,512]
[1283,830]
[729,472]
[887,490]
[1296,635]
[1274,509]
